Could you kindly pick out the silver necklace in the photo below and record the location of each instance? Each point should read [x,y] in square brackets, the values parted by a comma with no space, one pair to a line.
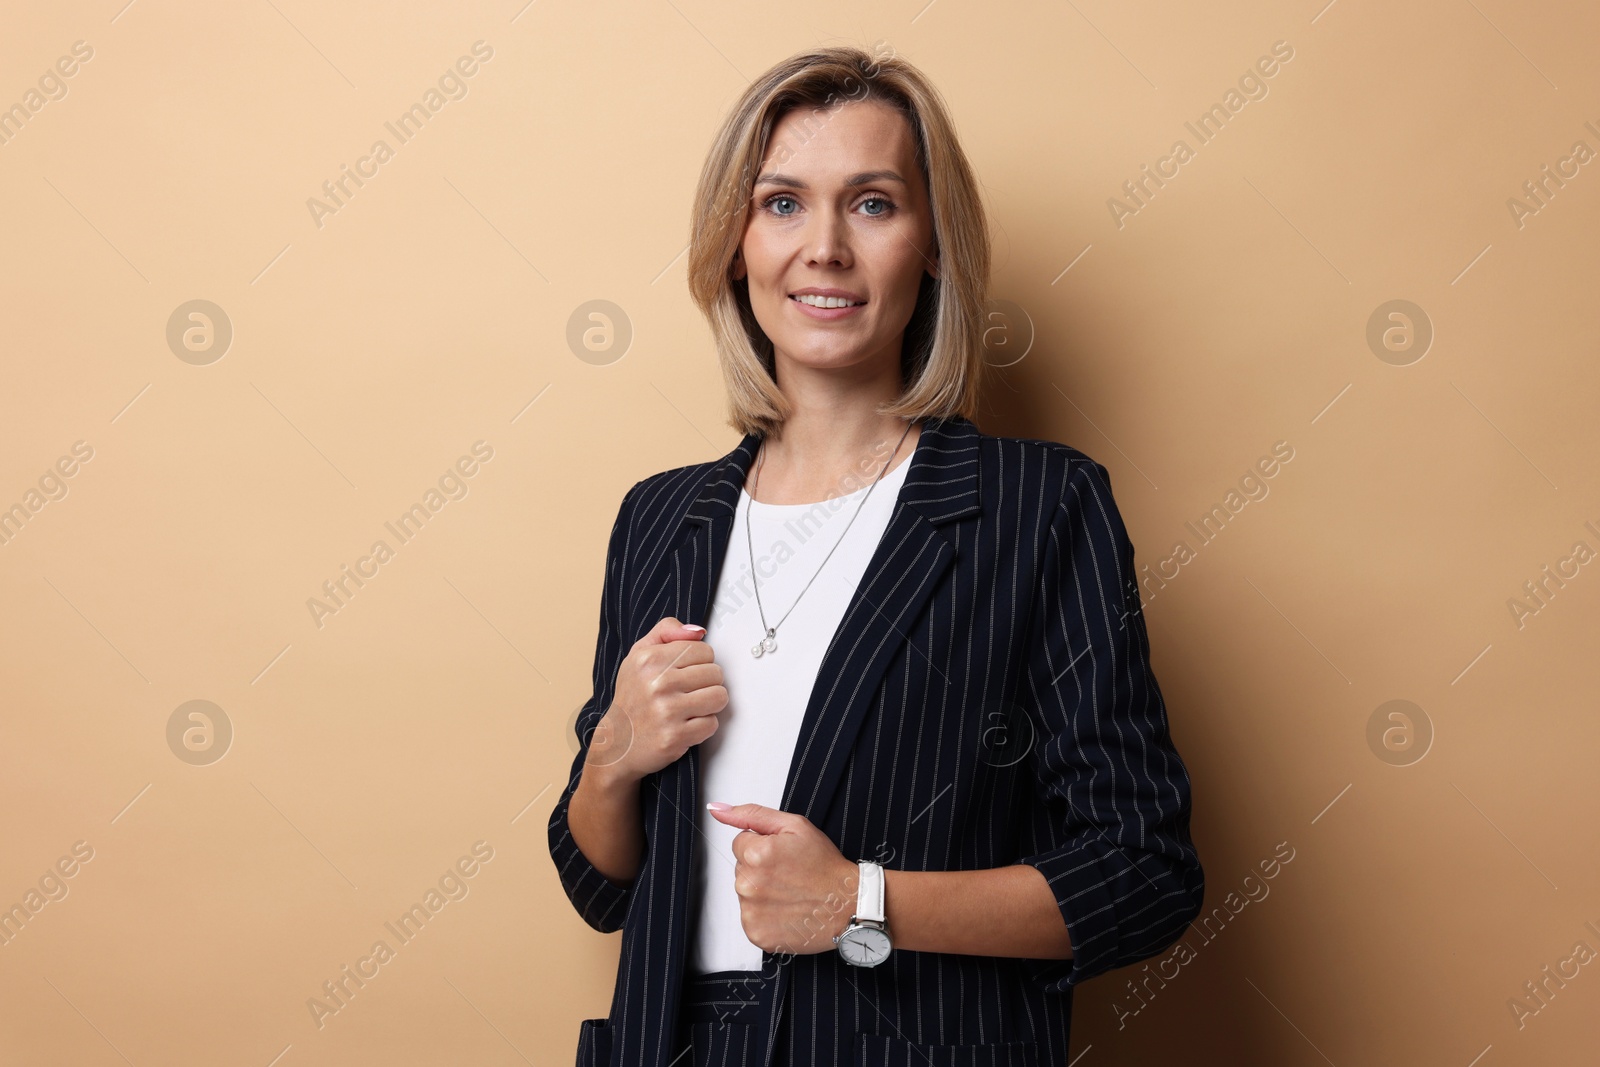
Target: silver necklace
[769,643]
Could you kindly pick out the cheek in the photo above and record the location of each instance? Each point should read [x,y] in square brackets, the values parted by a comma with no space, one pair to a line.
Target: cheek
[899,252]
[761,265]
[900,277]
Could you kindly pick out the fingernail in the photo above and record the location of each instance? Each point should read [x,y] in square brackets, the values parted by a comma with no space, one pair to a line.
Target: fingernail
[717,805]
[692,626]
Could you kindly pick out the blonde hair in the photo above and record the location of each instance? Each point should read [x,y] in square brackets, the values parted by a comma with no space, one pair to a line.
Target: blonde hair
[942,353]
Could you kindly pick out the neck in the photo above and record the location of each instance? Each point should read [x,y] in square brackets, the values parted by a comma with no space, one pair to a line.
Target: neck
[824,453]
[833,441]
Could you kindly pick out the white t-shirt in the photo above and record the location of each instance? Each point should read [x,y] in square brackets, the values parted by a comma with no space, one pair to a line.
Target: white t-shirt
[747,760]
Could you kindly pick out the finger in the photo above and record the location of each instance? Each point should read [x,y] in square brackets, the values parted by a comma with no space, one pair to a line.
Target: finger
[739,842]
[670,629]
[757,817]
[683,652]
[694,676]
[702,703]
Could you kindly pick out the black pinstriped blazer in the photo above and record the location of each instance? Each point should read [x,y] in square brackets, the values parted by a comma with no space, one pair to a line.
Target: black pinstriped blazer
[987,700]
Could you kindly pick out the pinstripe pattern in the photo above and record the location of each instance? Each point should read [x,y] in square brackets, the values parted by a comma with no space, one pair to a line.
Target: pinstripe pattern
[987,700]
[721,1024]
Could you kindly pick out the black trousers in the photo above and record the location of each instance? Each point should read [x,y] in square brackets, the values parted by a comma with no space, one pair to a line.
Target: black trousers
[719,1024]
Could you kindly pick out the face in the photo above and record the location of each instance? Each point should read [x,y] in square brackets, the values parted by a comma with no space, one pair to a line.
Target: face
[840,209]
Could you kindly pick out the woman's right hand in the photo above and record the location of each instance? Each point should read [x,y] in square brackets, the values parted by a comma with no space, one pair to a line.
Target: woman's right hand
[668,695]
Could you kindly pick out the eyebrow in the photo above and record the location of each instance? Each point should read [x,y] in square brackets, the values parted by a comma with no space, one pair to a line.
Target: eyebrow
[866,177]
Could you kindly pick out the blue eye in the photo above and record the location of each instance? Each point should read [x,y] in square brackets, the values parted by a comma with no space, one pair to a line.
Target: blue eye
[886,208]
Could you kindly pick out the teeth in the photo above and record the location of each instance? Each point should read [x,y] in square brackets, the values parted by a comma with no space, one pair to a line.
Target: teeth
[827,301]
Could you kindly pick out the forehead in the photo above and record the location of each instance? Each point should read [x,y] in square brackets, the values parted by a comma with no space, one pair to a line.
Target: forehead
[850,137]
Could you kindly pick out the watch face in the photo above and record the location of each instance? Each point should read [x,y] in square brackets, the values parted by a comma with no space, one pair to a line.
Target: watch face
[864,946]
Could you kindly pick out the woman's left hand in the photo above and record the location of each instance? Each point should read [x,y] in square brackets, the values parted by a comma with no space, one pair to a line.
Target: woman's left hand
[796,889]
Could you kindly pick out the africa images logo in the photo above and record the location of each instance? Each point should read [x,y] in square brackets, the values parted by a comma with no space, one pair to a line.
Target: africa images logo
[451,85]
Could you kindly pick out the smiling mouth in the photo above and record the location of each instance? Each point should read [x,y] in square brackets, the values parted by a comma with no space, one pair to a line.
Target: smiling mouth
[826,301]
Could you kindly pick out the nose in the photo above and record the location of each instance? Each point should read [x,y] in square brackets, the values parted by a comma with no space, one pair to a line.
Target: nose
[827,239]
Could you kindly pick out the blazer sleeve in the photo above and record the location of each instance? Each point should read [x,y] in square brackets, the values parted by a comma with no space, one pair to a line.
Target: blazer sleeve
[602,903]
[1110,827]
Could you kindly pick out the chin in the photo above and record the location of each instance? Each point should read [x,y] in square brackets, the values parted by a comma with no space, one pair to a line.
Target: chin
[826,357]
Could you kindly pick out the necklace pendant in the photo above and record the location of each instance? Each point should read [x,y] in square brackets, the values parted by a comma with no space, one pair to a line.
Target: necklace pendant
[757,649]
[769,643]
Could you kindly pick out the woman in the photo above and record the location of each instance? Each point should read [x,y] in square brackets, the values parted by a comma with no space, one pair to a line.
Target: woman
[911,780]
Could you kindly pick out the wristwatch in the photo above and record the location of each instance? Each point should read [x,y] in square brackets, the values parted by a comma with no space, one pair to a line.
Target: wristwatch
[865,942]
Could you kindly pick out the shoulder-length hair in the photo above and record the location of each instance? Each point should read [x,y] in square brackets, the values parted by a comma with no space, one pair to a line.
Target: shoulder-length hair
[942,354]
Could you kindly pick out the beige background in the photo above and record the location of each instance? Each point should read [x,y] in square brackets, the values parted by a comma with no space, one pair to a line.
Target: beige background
[433,709]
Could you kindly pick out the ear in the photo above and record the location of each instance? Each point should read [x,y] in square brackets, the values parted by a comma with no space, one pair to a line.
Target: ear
[738,264]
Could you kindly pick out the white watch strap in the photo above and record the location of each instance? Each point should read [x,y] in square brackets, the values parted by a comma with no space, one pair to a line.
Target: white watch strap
[869,895]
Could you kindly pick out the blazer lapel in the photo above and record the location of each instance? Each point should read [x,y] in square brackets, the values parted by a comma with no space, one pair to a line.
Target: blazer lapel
[911,557]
